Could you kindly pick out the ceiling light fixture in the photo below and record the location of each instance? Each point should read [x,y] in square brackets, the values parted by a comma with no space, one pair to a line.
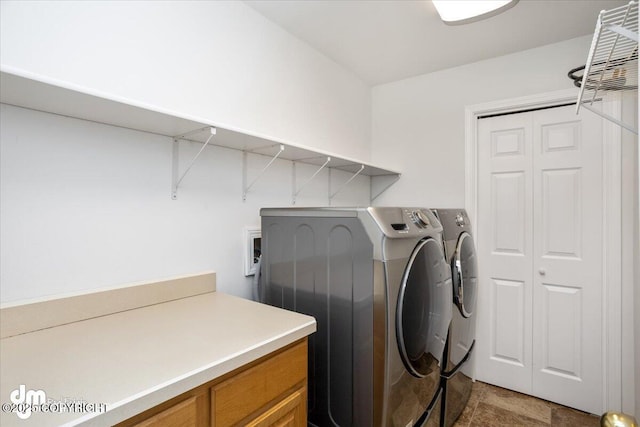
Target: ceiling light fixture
[456,12]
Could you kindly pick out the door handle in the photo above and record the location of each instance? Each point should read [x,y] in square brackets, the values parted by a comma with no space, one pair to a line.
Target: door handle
[542,271]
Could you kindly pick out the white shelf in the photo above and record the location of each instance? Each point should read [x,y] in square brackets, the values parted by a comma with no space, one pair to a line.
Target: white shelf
[34,92]
[612,64]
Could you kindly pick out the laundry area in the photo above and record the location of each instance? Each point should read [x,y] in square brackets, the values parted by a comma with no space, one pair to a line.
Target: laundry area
[319,213]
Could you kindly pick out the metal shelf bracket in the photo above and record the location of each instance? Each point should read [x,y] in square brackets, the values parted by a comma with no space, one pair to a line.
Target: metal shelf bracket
[332,195]
[176,178]
[297,191]
[380,184]
[245,187]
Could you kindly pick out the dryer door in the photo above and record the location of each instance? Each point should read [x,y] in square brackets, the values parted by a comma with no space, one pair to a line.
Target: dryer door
[424,309]
[464,271]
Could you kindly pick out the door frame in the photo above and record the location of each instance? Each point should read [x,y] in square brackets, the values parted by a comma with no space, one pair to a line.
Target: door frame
[616,315]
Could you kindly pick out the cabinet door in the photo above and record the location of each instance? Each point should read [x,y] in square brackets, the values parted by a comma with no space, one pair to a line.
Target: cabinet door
[290,412]
[193,411]
[251,392]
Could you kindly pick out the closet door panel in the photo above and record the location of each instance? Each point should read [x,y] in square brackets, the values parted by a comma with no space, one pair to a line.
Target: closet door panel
[567,258]
[505,252]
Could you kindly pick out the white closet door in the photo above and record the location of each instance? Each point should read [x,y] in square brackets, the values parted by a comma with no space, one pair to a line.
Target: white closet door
[505,252]
[540,255]
[567,253]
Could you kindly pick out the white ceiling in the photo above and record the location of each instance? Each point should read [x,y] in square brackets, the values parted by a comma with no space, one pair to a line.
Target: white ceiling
[383,41]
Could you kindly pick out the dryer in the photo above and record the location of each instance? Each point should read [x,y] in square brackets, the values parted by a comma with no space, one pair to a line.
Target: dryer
[377,282]
[461,257]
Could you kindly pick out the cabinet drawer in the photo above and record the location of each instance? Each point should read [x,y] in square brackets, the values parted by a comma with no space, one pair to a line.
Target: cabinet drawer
[249,391]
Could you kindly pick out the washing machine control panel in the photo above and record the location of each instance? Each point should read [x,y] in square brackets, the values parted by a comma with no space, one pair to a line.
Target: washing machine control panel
[419,218]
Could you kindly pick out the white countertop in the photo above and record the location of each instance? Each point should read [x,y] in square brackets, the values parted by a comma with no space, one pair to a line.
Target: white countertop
[134,360]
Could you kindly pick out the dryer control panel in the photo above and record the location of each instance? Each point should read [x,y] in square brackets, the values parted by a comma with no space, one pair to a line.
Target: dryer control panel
[454,222]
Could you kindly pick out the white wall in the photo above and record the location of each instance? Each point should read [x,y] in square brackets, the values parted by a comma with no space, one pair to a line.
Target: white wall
[418,123]
[219,60]
[85,205]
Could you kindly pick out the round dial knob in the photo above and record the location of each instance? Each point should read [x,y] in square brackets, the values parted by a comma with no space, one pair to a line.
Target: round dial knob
[420,219]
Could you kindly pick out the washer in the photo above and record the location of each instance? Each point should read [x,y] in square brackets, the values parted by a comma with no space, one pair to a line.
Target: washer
[377,282]
[461,256]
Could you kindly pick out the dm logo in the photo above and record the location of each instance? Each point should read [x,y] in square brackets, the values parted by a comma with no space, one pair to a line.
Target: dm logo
[25,400]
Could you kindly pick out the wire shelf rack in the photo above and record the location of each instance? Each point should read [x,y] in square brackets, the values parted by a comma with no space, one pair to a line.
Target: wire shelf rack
[612,64]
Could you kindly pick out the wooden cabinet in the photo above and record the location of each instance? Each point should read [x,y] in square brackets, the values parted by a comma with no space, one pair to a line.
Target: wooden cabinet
[271,391]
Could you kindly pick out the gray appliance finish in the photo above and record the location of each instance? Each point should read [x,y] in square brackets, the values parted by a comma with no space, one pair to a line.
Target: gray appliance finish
[377,282]
[461,256]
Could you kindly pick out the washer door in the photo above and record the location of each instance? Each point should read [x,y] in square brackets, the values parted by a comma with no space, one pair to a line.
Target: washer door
[424,309]
[464,272]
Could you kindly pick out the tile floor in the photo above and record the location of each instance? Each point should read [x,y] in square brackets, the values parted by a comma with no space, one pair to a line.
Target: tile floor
[494,406]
